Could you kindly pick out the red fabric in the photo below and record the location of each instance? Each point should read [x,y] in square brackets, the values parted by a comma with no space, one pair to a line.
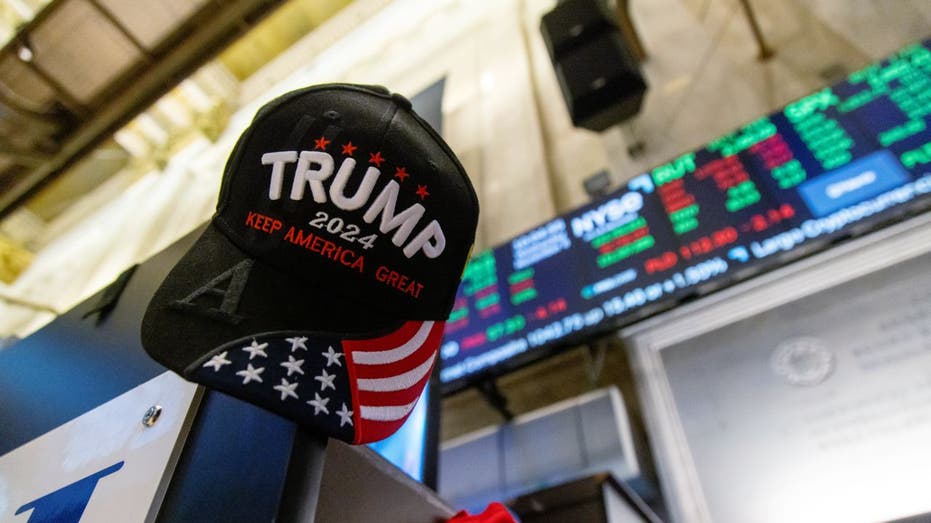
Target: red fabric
[494,513]
[393,392]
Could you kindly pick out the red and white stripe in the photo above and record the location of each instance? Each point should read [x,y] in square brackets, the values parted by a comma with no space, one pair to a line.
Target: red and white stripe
[388,375]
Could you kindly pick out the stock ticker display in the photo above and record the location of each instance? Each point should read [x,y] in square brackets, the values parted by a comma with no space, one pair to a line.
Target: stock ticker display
[845,157]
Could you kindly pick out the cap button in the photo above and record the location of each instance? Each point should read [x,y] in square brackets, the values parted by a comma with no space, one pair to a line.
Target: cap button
[402,101]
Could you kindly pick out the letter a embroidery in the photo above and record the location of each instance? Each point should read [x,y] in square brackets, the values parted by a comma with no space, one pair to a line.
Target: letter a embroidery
[237,277]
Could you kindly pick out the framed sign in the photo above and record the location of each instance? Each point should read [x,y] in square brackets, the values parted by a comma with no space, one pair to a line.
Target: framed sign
[802,396]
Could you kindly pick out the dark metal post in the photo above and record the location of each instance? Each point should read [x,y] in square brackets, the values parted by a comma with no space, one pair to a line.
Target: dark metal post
[766,52]
[305,476]
[629,32]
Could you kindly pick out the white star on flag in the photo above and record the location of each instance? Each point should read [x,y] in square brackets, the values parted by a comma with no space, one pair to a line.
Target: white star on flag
[217,361]
[293,365]
[332,357]
[297,342]
[256,348]
[345,416]
[326,380]
[251,373]
[286,389]
[319,404]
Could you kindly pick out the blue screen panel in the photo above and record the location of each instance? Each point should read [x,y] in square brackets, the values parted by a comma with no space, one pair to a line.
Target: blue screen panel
[407,448]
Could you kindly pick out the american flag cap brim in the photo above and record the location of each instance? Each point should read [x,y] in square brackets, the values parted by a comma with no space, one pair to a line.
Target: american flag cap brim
[358,389]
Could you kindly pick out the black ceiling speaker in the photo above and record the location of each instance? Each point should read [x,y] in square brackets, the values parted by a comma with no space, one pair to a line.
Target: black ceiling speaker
[599,77]
[573,22]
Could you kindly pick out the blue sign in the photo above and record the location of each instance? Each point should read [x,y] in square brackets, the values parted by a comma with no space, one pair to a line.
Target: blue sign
[857,181]
[67,504]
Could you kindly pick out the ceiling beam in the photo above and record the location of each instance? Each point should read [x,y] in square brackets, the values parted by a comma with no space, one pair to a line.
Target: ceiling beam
[216,26]
[20,156]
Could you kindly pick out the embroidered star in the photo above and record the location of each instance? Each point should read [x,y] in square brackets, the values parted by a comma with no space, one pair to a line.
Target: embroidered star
[293,365]
[376,158]
[297,342]
[217,361]
[321,143]
[326,380]
[251,373]
[401,173]
[345,416]
[348,149]
[422,191]
[332,356]
[286,389]
[256,348]
[319,404]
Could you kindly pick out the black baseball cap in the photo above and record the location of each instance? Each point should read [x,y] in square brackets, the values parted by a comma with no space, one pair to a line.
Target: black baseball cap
[320,287]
